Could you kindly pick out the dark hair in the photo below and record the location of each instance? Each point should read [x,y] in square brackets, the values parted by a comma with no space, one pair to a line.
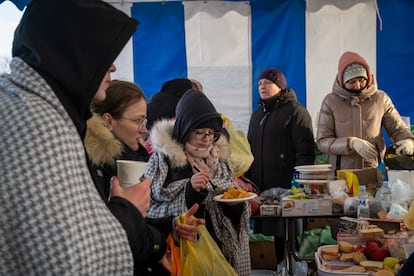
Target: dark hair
[119,96]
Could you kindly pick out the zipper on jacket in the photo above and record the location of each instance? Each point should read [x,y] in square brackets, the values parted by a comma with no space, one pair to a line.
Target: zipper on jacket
[264,118]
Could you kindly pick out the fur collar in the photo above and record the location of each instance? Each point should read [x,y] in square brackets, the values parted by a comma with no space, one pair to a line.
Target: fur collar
[161,141]
[101,145]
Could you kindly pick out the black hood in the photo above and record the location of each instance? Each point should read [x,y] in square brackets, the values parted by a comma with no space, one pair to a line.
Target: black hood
[72,44]
[193,110]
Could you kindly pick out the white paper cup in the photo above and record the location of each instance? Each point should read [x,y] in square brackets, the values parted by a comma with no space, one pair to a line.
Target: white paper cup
[130,172]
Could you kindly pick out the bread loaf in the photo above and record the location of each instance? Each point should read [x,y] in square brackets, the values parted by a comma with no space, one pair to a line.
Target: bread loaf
[330,250]
[327,257]
[371,233]
[347,257]
[359,257]
[371,265]
[355,268]
[346,247]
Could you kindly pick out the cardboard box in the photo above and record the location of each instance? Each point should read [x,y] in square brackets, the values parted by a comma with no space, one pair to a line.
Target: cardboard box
[263,255]
[306,207]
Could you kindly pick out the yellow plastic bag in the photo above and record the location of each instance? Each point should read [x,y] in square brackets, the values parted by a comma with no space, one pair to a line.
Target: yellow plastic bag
[203,257]
[241,156]
[351,180]
[409,218]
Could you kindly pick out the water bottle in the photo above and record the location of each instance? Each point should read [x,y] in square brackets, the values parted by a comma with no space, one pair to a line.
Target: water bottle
[386,196]
[363,205]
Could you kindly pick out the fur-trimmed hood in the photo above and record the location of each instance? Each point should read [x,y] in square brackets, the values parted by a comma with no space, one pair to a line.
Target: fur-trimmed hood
[101,144]
[162,141]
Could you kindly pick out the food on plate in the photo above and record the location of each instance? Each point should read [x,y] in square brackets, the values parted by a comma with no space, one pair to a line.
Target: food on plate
[371,265]
[347,257]
[346,247]
[354,268]
[326,257]
[234,192]
[330,250]
[336,265]
[330,253]
[359,257]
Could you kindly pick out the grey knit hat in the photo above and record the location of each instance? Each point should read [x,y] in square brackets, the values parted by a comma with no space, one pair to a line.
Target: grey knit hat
[353,71]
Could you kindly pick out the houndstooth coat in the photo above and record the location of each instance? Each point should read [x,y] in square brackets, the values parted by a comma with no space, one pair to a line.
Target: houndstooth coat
[52,219]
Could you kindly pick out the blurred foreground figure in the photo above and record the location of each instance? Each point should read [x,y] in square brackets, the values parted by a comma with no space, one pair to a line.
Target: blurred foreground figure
[52,219]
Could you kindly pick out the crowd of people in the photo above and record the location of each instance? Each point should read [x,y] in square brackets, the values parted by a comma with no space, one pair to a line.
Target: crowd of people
[65,123]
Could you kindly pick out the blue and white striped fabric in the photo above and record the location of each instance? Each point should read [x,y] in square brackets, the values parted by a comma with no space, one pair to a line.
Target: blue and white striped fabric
[225,45]
[20,4]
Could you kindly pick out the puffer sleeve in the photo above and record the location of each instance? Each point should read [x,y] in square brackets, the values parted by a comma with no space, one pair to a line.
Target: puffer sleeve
[326,138]
[396,128]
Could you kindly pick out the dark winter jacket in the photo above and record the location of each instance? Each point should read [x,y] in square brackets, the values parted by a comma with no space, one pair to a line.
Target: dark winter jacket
[281,137]
[104,149]
[171,190]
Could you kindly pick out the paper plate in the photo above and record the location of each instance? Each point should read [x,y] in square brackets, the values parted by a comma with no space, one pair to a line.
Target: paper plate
[314,167]
[234,200]
[312,181]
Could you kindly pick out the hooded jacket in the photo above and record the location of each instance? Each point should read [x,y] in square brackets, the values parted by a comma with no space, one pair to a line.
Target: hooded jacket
[162,104]
[104,149]
[171,190]
[53,220]
[344,114]
[281,137]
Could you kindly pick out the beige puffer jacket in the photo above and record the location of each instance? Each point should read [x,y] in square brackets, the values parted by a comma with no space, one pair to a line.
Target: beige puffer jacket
[344,114]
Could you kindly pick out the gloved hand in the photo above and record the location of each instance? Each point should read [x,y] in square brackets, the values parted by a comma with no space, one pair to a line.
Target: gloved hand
[363,148]
[406,146]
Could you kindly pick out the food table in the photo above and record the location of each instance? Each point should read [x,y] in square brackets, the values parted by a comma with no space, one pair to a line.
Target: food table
[289,223]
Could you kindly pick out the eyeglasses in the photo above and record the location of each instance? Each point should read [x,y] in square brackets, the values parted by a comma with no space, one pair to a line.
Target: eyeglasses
[140,122]
[210,134]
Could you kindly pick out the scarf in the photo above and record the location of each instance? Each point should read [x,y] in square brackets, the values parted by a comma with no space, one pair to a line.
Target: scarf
[203,159]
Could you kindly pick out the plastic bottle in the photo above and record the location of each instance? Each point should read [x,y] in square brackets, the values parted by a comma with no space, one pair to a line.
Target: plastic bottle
[386,196]
[363,205]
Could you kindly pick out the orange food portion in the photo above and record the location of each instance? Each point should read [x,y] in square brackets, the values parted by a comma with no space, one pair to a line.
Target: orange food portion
[234,192]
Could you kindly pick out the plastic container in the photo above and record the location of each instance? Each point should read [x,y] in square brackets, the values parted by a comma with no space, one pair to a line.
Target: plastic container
[363,204]
[386,196]
[326,272]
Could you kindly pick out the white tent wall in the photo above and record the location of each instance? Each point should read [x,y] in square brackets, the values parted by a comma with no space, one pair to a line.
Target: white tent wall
[124,62]
[221,60]
[219,43]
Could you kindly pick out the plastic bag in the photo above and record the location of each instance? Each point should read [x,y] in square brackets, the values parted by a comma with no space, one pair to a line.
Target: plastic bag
[203,257]
[241,157]
[409,218]
[174,256]
[310,240]
[396,161]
